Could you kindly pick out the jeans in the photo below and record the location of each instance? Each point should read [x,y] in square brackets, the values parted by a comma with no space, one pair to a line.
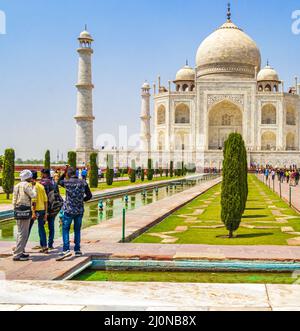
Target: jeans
[51,227]
[66,226]
[42,231]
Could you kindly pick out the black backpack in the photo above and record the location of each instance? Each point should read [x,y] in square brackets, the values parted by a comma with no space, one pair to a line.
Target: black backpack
[55,203]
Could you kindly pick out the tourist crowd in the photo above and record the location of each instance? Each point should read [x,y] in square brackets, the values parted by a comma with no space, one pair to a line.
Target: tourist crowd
[39,200]
[289,175]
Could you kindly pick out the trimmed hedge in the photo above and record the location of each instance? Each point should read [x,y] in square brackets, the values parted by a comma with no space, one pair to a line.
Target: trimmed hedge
[150,171]
[93,173]
[47,161]
[72,159]
[8,177]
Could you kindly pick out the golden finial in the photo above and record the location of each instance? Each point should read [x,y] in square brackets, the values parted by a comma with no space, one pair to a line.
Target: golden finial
[229,12]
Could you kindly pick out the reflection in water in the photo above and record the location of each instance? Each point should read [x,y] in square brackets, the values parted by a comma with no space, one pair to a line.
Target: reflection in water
[111,208]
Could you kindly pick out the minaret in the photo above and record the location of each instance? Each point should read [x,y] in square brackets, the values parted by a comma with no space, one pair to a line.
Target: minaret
[84,116]
[145,119]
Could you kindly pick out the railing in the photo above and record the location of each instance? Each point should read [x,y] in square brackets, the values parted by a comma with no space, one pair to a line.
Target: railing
[271,183]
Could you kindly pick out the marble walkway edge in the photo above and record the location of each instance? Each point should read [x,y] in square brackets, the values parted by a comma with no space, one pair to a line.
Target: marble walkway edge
[149,296]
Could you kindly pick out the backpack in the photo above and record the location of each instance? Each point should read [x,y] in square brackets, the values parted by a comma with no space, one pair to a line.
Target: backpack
[55,203]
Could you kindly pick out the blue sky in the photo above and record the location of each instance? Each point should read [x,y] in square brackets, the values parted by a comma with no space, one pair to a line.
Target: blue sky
[134,40]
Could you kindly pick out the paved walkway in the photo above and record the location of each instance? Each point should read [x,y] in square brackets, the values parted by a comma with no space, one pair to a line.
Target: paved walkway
[42,267]
[5,207]
[285,191]
[107,296]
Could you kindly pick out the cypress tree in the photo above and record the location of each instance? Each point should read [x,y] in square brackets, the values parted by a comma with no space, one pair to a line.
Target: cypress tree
[47,161]
[109,176]
[171,169]
[8,180]
[72,159]
[132,174]
[161,172]
[143,174]
[150,171]
[233,185]
[93,173]
[110,170]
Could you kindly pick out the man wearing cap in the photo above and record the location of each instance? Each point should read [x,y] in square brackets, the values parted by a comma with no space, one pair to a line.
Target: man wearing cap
[24,192]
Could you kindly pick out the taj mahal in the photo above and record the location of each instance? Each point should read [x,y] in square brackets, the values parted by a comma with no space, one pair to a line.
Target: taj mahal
[189,120]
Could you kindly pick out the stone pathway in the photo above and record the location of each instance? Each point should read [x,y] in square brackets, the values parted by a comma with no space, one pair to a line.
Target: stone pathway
[279,212]
[108,296]
[42,267]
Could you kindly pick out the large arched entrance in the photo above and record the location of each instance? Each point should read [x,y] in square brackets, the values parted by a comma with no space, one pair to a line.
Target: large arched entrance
[224,118]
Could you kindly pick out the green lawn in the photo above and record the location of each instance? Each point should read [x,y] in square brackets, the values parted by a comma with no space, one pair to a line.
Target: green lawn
[186,277]
[257,214]
[3,199]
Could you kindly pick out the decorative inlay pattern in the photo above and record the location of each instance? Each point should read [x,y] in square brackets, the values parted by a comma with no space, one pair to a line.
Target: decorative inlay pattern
[235,98]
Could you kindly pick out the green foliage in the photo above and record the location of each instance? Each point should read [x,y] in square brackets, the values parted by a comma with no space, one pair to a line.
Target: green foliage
[171,169]
[93,173]
[161,172]
[109,176]
[132,173]
[150,171]
[167,172]
[143,174]
[1,161]
[233,186]
[191,168]
[179,169]
[47,161]
[110,170]
[29,162]
[72,159]
[8,180]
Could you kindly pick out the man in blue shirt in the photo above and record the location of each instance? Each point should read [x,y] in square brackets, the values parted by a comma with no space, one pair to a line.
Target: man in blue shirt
[77,193]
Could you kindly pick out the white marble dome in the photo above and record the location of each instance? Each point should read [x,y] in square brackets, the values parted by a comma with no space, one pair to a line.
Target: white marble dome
[268,74]
[228,50]
[146,85]
[186,73]
[85,35]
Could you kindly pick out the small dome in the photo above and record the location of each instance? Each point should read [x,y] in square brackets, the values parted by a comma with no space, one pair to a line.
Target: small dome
[187,73]
[146,85]
[85,35]
[228,51]
[268,74]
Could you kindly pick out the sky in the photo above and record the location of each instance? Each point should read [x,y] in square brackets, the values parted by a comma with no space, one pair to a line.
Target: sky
[135,40]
